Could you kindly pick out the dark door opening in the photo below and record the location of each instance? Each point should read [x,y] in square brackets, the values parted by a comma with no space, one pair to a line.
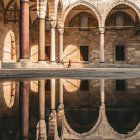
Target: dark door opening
[83,53]
[120,53]
[47,53]
[84,85]
[120,85]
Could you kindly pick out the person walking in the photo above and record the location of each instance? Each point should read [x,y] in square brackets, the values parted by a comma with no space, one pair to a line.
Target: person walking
[69,65]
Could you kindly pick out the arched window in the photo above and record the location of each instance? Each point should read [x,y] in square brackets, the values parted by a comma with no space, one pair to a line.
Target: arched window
[119,22]
[84,22]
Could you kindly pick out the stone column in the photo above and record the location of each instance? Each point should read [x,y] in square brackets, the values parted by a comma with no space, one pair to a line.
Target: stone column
[42,123]
[61,32]
[60,110]
[102,31]
[61,105]
[102,92]
[61,91]
[24,30]
[24,110]
[42,15]
[52,94]
[53,118]
[53,25]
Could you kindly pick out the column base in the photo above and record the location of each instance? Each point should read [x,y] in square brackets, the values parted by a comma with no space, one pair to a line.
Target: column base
[24,60]
[42,62]
[41,130]
[52,62]
[102,62]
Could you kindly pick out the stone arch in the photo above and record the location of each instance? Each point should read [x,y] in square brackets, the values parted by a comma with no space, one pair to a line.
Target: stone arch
[60,13]
[118,2]
[52,9]
[87,4]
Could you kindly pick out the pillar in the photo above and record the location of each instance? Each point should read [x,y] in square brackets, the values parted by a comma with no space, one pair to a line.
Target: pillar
[42,15]
[24,110]
[102,92]
[24,29]
[53,25]
[61,91]
[61,105]
[61,32]
[42,123]
[53,118]
[102,31]
[52,94]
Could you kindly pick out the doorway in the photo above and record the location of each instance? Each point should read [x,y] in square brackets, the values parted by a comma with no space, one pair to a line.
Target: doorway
[83,53]
[47,53]
[120,52]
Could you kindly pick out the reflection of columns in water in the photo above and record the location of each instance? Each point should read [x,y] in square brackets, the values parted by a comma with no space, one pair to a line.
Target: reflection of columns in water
[52,94]
[61,105]
[61,91]
[102,92]
[52,118]
[42,123]
[24,110]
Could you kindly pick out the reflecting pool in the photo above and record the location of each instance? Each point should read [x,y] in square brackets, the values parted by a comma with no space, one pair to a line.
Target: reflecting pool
[68,109]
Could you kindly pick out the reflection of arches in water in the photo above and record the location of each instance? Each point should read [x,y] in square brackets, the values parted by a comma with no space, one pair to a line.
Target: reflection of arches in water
[83,119]
[123,120]
[9,93]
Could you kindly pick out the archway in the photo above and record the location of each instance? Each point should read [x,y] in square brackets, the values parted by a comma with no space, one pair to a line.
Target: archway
[122,33]
[81,34]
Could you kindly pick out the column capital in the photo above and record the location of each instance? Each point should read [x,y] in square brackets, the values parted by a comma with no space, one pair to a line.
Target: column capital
[53,23]
[61,31]
[102,30]
[41,8]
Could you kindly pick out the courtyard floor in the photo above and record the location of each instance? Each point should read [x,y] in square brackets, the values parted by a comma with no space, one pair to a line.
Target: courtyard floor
[81,73]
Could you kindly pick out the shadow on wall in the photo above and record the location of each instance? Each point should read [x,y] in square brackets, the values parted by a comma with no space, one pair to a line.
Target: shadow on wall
[7,43]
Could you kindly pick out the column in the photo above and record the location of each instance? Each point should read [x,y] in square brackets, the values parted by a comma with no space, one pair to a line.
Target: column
[42,123]
[60,110]
[61,32]
[61,105]
[53,25]
[24,30]
[53,117]
[41,39]
[61,91]
[102,92]
[102,31]
[24,110]
[52,94]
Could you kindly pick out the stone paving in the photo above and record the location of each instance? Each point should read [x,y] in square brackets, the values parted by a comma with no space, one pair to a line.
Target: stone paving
[82,73]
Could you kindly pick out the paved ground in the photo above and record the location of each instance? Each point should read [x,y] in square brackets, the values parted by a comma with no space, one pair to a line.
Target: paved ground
[82,73]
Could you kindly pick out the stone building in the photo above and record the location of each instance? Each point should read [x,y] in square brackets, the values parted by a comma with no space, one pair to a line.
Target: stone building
[83,31]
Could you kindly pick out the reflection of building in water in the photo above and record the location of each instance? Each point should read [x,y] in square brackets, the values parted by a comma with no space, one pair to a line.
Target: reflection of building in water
[73,109]
[82,31]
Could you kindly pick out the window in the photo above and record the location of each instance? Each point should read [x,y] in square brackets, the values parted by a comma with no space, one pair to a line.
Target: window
[84,85]
[47,53]
[83,53]
[47,85]
[120,85]
[84,22]
[119,22]
[120,52]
